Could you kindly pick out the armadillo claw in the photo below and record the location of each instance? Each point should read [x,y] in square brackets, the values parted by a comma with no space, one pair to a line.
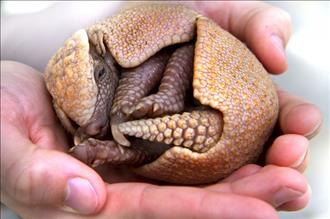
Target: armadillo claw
[118,136]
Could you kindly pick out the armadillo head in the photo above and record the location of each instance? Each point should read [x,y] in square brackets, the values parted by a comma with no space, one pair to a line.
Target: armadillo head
[78,80]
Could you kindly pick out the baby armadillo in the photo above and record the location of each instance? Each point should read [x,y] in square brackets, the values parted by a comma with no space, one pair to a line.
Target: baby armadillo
[166,90]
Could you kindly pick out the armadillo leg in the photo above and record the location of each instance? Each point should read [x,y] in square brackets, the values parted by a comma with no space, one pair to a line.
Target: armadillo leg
[172,91]
[198,130]
[95,152]
[135,84]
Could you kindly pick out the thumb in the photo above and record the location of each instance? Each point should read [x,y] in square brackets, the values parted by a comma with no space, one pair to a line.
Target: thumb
[33,176]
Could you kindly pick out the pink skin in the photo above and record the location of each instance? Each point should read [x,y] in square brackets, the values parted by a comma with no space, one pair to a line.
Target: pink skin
[36,173]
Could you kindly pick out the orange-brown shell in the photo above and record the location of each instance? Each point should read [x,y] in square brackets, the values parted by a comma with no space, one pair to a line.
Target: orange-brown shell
[70,79]
[227,77]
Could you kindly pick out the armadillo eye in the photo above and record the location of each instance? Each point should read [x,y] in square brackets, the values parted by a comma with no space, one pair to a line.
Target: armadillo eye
[99,74]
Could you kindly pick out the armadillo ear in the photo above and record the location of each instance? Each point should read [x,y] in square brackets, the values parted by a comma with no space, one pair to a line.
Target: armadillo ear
[136,34]
[70,80]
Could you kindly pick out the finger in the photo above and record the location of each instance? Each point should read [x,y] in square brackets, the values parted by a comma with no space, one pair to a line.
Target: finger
[275,185]
[242,172]
[297,204]
[298,116]
[295,148]
[40,177]
[148,201]
[265,29]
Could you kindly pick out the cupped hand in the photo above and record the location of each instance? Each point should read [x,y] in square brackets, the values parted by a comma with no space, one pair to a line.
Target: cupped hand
[36,173]
[38,179]
[266,30]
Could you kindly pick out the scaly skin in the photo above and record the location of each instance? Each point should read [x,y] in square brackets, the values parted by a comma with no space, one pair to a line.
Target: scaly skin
[198,130]
[106,76]
[171,94]
[69,80]
[239,98]
[132,38]
[95,152]
[135,83]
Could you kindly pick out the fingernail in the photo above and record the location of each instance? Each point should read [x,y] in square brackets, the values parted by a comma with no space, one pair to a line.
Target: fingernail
[314,131]
[80,196]
[285,195]
[300,160]
[309,190]
[278,42]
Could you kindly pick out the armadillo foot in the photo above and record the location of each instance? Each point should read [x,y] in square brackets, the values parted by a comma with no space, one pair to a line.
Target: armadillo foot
[173,88]
[96,152]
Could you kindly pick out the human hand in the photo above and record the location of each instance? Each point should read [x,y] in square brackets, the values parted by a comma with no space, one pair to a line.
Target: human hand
[37,178]
[279,184]
[36,173]
[251,187]
[266,30]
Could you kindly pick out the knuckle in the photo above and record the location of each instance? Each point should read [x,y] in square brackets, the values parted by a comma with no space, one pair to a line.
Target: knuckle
[28,182]
[287,177]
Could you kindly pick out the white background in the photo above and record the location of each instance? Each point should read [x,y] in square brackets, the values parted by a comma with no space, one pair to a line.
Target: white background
[32,31]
